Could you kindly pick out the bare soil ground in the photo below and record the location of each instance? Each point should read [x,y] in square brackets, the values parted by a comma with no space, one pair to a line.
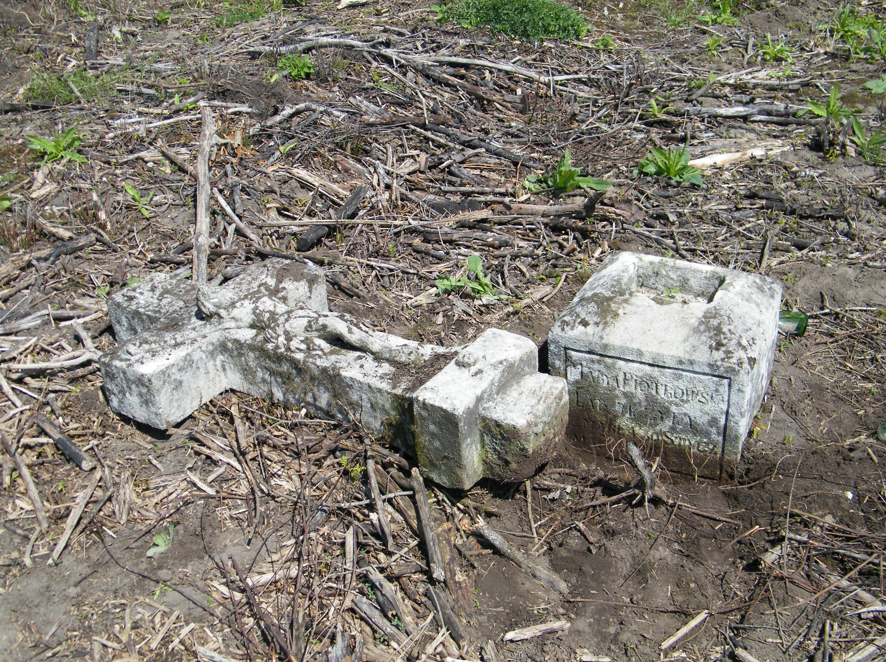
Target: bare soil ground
[273,539]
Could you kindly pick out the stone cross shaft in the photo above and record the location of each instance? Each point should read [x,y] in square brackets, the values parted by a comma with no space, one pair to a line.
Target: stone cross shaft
[475,411]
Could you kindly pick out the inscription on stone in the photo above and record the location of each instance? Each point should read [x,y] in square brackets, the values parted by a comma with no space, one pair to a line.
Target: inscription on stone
[681,406]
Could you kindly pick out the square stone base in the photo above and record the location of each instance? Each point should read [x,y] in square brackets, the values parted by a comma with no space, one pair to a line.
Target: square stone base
[669,353]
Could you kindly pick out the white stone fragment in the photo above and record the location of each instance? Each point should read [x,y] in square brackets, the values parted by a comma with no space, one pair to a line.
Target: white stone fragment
[670,351]
[268,333]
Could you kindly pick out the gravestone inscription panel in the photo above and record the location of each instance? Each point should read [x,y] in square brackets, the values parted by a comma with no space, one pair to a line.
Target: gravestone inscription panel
[671,352]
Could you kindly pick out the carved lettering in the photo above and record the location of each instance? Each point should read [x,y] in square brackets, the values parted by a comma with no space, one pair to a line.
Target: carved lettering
[687,408]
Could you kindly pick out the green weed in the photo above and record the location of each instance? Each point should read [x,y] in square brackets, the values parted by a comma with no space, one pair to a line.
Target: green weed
[672,163]
[722,14]
[5,203]
[564,179]
[655,111]
[61,147]
[713,43]
[479,288]
[604,43]
[877,86]
[776,52]
[162,17]
[298,66]
[162,541]
[675,13]
[246,11]
[531,20]
[876,49]
[849,27]
[137,199]
[58,89]
[833,110]
[870,147]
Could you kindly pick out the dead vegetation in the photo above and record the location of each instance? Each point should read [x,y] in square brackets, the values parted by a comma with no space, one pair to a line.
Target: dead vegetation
[282,536]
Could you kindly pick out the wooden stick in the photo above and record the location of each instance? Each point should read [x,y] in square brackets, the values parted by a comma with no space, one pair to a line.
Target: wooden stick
[536,630]
[33,494]
[686,629]
[65,444]
[386,589]
[245,229]
[543,575]
[379,504]
[201,228]
[74,517]
[377,620]
[435,557]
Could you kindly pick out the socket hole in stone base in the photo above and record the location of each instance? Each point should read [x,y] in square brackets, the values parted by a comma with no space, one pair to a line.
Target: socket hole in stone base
[673,280]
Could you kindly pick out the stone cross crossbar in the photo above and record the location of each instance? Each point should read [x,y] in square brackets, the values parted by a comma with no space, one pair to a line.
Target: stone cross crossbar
[475,411]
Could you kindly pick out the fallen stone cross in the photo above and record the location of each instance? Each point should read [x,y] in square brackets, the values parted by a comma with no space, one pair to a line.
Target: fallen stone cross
[671,352]
[475,411]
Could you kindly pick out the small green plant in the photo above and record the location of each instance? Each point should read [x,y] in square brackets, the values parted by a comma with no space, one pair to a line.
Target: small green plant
[671,292]
[877,86]
[246,11]
[671,163]
[875,49]
[102,291]
[604,43]
[713,43]
[380,84]
[479,288]
[655,111]
[162,17]
[299,66]
[162,542]
[849,27]
[721,14]
[870,147]
[355,469]
[81,11]
[784,73]
[61,147]
[5,203]
[564,179]
[779,52]
[832,110]
[287,146]
[90,85]
[530,20]
[132,281]
[137,199]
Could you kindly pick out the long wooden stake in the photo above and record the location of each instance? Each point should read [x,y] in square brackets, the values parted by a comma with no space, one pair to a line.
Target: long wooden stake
[201,229]
[75,515]
[33,494]
[435,558]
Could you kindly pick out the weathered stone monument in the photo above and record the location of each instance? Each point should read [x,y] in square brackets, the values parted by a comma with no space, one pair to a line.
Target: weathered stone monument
[480,410]
[668,352]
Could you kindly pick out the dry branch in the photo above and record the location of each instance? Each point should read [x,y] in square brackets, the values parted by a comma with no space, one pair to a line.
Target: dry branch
[201,227]
[533,567]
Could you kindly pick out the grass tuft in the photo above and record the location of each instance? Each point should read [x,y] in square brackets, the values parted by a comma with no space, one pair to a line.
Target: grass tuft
[530,20]
[59,90]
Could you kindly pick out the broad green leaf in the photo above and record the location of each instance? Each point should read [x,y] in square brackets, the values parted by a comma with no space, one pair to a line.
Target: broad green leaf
[593,183]
[877,86]
[475,264]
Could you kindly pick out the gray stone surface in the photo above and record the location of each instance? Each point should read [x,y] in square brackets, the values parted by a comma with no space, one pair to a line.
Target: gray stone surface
[481,410]
[670,351]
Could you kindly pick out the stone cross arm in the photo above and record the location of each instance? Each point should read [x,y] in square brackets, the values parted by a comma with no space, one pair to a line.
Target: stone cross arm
[480,410]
